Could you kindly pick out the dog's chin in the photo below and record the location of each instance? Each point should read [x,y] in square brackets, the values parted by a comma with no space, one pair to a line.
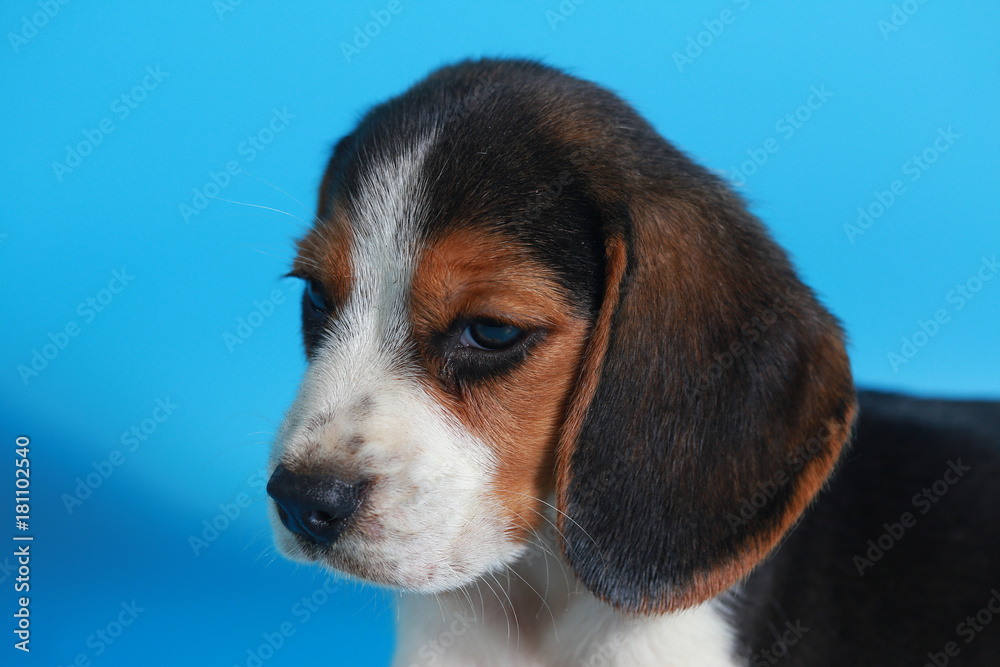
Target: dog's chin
[408,572]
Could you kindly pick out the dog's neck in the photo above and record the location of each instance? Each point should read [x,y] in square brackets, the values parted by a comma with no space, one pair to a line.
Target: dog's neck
[537,613]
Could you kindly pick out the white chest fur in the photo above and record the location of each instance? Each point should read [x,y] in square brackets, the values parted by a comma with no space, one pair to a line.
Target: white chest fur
[535,613]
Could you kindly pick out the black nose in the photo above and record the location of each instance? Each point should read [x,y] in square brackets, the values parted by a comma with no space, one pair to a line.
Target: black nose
[315,507]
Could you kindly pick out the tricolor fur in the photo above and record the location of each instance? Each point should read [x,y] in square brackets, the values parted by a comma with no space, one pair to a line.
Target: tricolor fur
[582,491]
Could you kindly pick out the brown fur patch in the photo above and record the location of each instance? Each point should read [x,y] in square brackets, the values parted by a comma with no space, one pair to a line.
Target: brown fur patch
[470,274]
[324,254]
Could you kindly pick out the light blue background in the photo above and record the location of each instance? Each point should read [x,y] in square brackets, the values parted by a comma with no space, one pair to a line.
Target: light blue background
[162,336]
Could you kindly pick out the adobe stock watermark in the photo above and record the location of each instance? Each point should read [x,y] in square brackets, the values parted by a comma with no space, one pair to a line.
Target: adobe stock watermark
[302,611]
[432,650]
[7,569]
[467,104]
[121,107]
[30,25]
[544,198]
[786,127]
[923,501]
[913,169]
[131,440]
[794,462]
[751,331]
[603,654]
[247,326]
[363,36]
[703,39]
[248,150]
[900,15]
[563,11]
[958,297]
[779,649]
[540,544]
[88,310]
[101,640]
[223,7]
[968,629]
[548,194]
[229,512]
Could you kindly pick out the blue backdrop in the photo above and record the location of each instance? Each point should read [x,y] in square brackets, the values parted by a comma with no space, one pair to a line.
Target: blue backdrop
[159,161]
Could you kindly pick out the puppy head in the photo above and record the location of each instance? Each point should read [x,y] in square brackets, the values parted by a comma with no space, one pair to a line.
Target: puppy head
[517,288]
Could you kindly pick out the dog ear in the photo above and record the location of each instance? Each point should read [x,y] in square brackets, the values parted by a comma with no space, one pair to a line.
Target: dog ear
[715,396]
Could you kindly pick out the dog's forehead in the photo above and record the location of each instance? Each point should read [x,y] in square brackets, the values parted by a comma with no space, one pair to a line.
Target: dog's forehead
[392,198]
[369,229]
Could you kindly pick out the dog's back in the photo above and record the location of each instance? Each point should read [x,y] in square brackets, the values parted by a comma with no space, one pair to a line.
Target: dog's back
[899,560]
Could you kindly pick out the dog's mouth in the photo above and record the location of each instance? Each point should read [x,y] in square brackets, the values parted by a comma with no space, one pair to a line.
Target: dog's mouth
[297,538]
[340,525]
[401,573]
[392,554]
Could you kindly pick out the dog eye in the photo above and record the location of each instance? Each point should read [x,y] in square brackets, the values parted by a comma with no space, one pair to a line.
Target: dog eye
[316,307]
[316,296]
[485,335]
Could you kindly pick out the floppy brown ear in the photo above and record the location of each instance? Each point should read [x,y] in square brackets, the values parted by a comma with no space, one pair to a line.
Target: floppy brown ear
[714,400]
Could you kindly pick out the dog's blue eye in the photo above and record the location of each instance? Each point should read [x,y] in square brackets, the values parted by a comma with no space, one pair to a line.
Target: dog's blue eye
[317,296]
[490,336]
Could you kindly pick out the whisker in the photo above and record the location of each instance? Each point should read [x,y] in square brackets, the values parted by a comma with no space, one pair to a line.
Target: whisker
[497,596]
[305,223]
[482,602]
[541,597]
[256,249]
[465,591]
[444,618]
[568,517]
[517,625]
[268,183]
[546,551]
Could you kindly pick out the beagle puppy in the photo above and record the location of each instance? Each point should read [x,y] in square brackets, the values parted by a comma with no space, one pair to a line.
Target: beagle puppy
[568,397]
